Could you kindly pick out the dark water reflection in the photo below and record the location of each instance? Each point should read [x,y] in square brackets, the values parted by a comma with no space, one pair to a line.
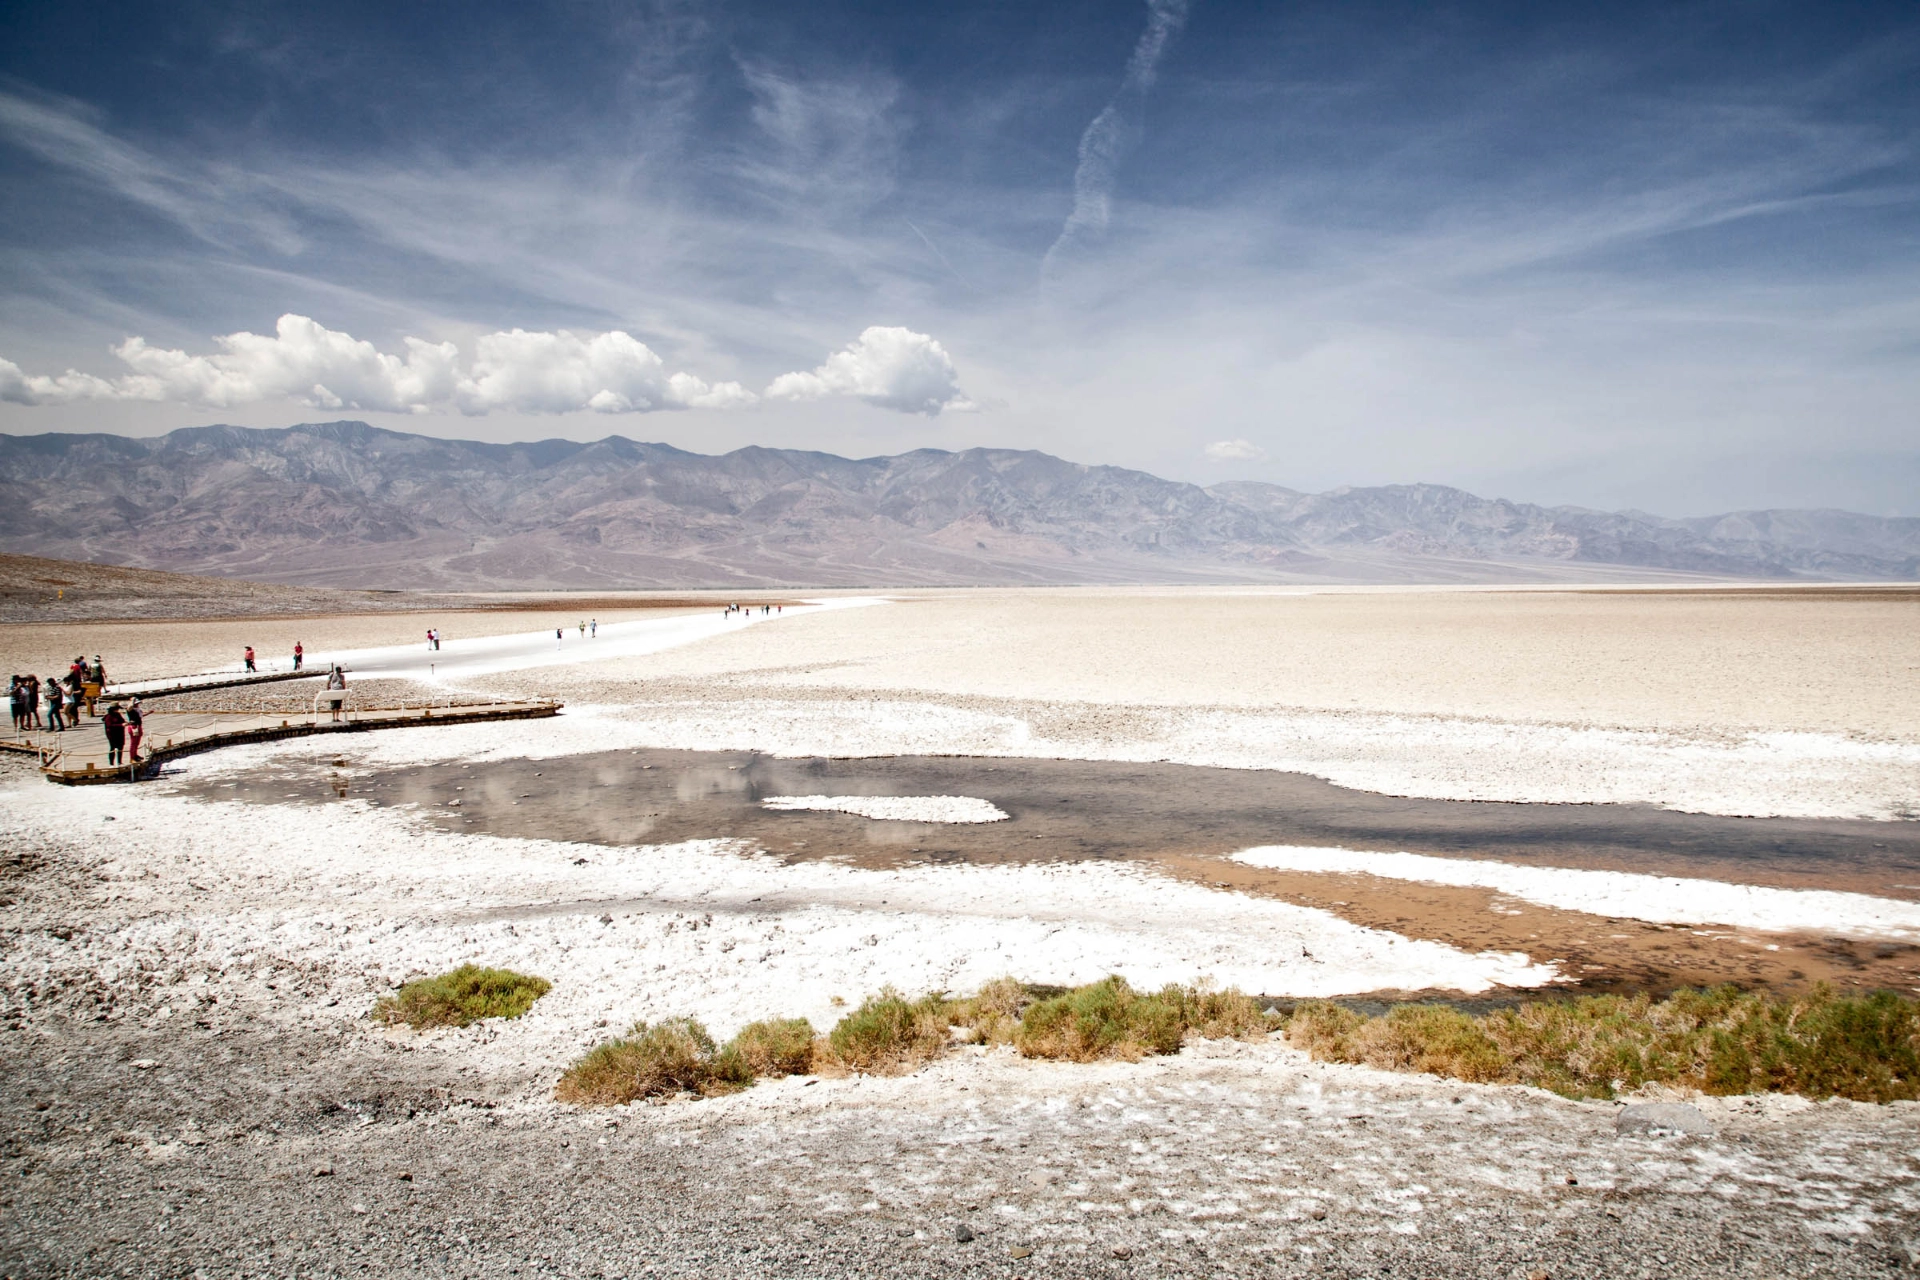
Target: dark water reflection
[1065,809]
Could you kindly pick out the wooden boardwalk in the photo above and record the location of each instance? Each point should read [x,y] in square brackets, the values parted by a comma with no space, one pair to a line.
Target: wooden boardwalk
[80,755]
[212,680]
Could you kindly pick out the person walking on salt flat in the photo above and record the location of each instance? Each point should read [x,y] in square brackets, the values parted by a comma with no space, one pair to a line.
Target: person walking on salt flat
[250,665]
[299,655]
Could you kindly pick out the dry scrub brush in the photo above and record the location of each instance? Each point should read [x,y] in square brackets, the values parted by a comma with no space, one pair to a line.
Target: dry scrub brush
[992,1016]
[1721,1041]
[675,1056]
[1109,1019]
[888,1034]
[464,996]
[776,1047]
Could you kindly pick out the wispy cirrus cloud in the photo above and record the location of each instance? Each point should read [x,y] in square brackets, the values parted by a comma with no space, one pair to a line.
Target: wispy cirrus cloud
[1111,135]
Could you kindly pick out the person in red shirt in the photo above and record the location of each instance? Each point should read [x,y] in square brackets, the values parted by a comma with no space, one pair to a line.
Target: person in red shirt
[299,655]
[250,665]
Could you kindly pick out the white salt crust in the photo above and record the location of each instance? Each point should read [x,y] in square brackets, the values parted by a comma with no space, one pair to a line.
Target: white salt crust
[1622,895]
[1781,773]
[363,898]
[953,809]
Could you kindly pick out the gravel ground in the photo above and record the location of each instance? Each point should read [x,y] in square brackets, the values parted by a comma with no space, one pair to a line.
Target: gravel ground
[245,1151]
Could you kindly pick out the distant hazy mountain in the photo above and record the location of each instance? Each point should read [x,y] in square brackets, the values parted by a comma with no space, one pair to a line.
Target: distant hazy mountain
[346,504]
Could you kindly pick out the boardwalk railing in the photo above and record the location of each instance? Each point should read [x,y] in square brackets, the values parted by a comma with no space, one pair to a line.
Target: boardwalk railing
[80,755]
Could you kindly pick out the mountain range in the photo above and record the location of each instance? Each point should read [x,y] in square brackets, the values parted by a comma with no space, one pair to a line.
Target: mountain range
[350,505]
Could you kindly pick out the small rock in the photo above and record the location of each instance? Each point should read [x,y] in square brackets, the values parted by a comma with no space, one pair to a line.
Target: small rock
[1538,1273]
[963,1234]
[143,1064]
[357,1208]
[606,919]
[1664,1117]
[1121,1251]
[1572,1181]
[1318,1215]
[323,1171]
[1018,1251]
[405,1176]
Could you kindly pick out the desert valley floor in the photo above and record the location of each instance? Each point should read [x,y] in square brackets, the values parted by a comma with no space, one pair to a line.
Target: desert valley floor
[1471,795]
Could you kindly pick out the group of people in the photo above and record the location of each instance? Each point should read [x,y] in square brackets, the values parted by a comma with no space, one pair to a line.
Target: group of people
[64,698]
[589,627]
[123,732]
[68,698]
[248,658]
[764,610]
[433,638]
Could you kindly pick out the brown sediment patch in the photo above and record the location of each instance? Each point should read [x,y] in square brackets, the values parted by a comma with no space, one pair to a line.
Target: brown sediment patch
[1598,954]
[1187,819]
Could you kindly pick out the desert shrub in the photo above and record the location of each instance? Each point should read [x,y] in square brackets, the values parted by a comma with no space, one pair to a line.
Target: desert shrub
[992,1015]
[1220,1015]
[776,1047]
[1325,1030]
[464,996]
[1109,1019]
[675,1056]
[889,1033]
[1105,1019]
[1719,1041]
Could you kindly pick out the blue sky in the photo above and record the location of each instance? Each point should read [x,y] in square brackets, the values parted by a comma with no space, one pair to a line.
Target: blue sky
[1663,257]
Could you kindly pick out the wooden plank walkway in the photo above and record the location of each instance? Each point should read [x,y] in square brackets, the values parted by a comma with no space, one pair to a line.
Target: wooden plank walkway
[79,756]
[212,680]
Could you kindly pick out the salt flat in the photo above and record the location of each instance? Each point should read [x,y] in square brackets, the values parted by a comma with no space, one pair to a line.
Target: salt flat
[169,948]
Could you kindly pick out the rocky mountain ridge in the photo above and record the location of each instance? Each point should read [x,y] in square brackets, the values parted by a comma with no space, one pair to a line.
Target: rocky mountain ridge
[347,504]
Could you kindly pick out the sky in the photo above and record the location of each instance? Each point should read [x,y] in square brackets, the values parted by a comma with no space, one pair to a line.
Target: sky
[1663,256]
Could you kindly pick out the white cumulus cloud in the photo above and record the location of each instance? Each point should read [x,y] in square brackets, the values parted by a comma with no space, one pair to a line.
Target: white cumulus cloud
[887,366]
[303,360]
[560,372]
[1235,451]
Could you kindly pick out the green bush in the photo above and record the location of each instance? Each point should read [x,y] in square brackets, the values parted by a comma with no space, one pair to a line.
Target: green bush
[889,1033]
[463,996]
[1105,1019]
[1719,1041]
[776,1047]
[675,1056]
[992,1015]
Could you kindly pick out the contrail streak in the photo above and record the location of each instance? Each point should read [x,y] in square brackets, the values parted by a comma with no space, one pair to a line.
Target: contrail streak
[1111,135]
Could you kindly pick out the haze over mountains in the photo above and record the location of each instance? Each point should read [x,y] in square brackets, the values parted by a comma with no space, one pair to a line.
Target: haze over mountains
[347,504]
